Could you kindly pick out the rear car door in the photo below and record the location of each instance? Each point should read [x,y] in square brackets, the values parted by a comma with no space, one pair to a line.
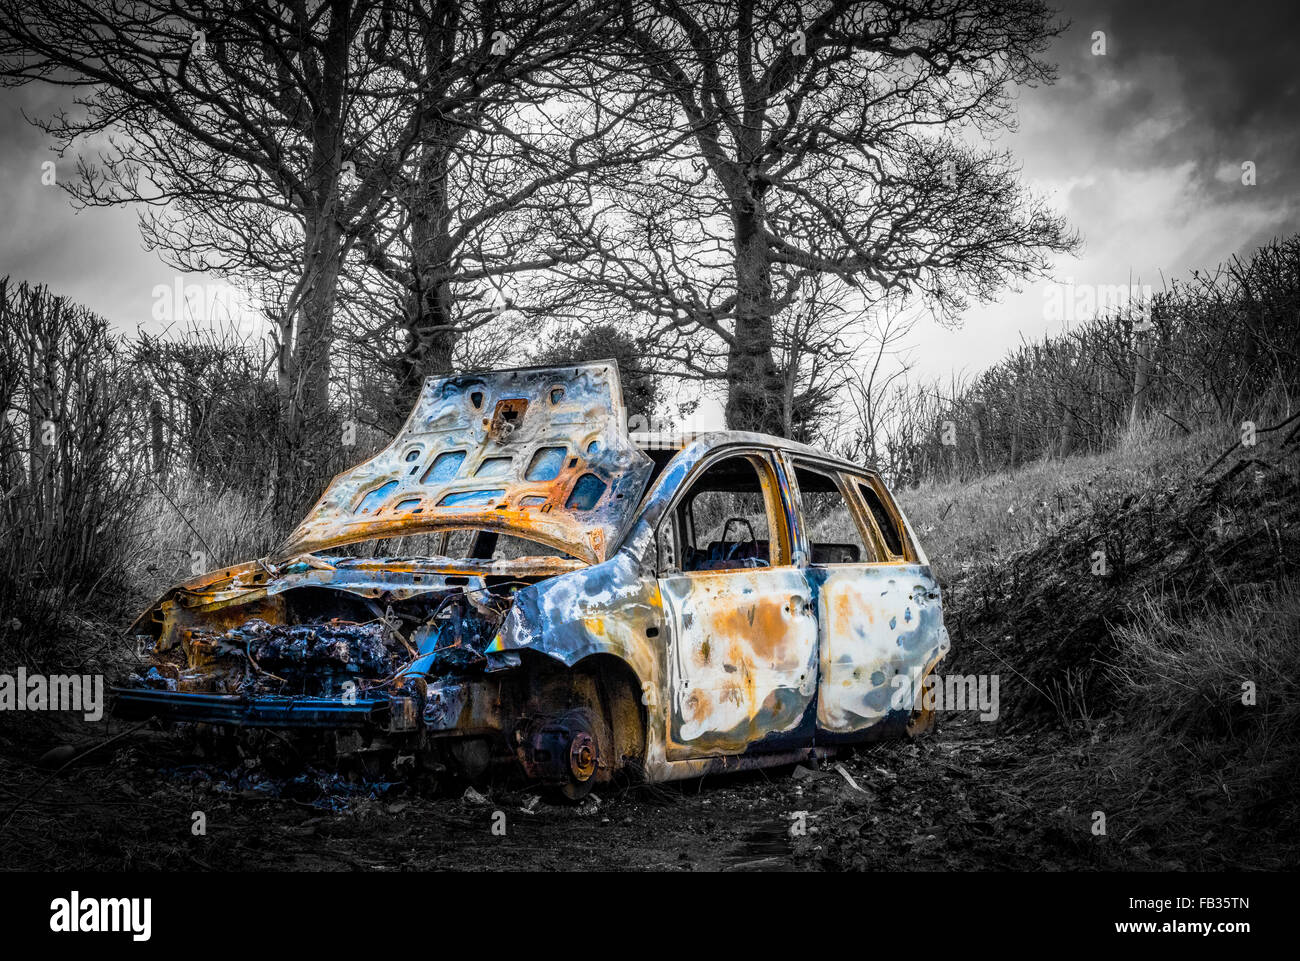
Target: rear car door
[742,648]
[879,616]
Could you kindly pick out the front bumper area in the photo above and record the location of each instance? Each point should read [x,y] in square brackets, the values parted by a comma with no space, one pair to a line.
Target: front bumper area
[387,713]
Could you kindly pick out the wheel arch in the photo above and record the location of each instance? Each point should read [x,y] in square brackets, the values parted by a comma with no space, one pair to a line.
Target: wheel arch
[621,695]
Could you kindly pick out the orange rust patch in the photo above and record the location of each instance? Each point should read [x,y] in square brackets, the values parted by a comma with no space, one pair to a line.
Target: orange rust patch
[763,624]
[703,652]
[737,656]
[698,706]
[847,609]
[730,693]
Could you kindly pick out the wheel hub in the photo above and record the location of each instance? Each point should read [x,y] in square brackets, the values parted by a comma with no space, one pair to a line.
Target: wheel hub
[582,756]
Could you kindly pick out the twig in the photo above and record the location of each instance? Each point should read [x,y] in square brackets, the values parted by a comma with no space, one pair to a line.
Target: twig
[1263,430]
[176,507]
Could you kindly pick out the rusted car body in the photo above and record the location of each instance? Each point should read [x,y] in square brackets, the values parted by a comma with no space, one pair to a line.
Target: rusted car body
[623,631]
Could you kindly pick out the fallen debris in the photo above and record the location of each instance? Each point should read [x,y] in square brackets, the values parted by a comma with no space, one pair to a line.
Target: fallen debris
[849,778]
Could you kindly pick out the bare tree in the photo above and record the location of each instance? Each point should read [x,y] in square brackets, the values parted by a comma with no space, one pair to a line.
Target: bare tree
[478,213]
[230,123]
[270,141]
[814,346]
[882,366]
[485,212]
[820,141]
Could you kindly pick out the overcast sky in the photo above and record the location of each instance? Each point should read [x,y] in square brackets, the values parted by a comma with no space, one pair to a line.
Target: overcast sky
[1141,149]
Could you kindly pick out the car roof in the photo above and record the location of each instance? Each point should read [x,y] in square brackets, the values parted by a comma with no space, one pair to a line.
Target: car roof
[677,441]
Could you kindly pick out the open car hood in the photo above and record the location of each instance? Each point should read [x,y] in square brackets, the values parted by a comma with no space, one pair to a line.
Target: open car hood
[541,453]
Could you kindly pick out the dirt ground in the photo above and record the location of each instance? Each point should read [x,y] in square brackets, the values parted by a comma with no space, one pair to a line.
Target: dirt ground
[961,798]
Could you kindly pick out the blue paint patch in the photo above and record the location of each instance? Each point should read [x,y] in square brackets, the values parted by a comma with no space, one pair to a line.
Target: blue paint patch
[494,467]
[546,464]
[445,467]
[586,493]
[471,498]
[370,503]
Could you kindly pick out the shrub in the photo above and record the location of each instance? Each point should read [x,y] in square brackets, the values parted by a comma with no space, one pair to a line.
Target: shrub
[70,461]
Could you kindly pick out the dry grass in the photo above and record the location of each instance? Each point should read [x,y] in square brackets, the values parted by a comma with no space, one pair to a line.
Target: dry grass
[963,525]
[1188,773]
[1141,673]
[1192,675]
[186,526]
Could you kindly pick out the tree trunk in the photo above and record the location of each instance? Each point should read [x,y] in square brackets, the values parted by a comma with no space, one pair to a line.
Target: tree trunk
[323,251]
[754,386]
[427,313]
[307,340]
[315,340]
[1141,378]
[977,429]
[1015,427]
[1067,432]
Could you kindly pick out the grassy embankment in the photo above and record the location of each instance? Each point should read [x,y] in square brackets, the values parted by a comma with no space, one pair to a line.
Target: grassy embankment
[1163,688]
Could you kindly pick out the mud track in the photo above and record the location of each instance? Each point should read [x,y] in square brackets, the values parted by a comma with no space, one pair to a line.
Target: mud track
[960,798]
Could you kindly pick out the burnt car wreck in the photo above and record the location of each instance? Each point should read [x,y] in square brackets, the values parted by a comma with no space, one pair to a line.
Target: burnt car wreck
[558,594]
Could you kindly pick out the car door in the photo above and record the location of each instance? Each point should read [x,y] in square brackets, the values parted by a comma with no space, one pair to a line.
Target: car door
[742,646]
[880,621]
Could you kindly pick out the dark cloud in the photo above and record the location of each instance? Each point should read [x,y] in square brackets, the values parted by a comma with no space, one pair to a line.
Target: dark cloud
[1234,62]
[1210,84]
[93,256]
[1141,150]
